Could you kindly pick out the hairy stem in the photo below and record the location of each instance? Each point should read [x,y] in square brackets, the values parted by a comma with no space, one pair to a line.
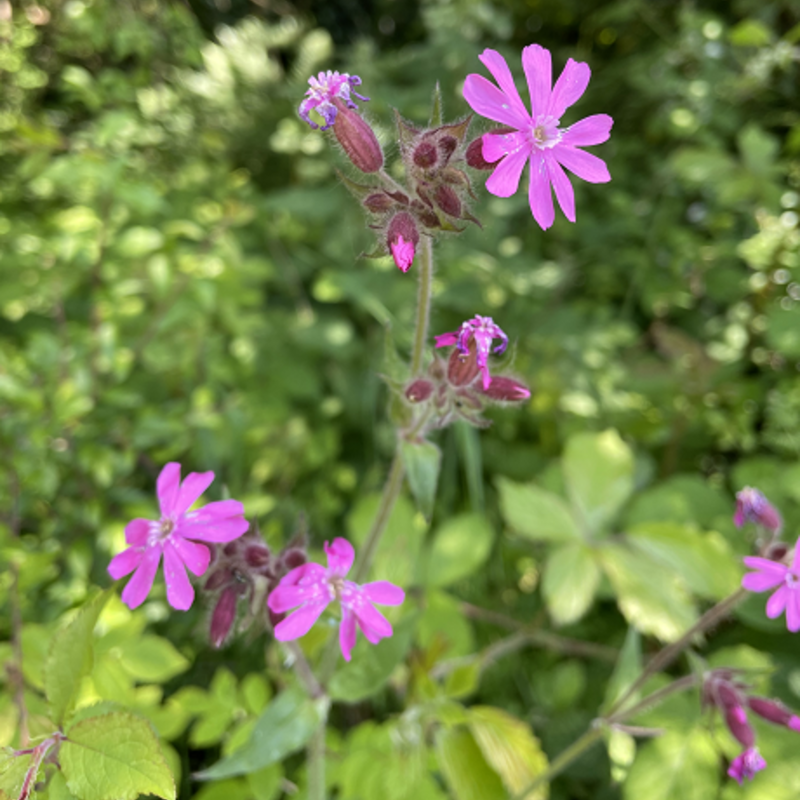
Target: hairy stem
[423,303]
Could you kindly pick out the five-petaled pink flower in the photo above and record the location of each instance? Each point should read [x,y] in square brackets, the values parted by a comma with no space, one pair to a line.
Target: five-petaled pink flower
[771,574]
[324,92]
[537,136]
[312,587]
[482,330]
[746,765]
[176,536]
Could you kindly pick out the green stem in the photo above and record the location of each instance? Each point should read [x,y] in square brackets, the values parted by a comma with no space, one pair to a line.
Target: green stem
[315,764]
[423,303]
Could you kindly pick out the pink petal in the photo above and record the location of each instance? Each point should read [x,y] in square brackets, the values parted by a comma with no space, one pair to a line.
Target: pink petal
[777,603]
[220,531]
[139,586]
[299,623]
[192,487]
[564,193]
[487,100]
[793,610]
[592,130]
[284,598]
[383,593]
[761,581]
[347,634]
[196,557]
[539,195]
[167,487]
[125,562]
[340,556]
[538,68]
[569,87]
[305,573]
[586,166]
[766,565]
[180,594]
[137,531]
[498,145]
[497,65]
[446,339]
[504,181]
[374,625]
[486,378]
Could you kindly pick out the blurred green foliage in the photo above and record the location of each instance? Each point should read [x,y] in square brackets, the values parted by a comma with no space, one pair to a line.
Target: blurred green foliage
[180,281]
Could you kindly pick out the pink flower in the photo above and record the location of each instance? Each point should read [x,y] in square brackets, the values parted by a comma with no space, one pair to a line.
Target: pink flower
[746,765]
[537,137]
[176,536]
[772,574]
[325,89]
[482,330]
[310,588]
[402,253]
[752,506]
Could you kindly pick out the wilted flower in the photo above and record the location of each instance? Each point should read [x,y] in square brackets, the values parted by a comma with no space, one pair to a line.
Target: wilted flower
[482,330]
[326,89]
[746,765]
[311,587]
[176,536]
[771,575]
[752,506]
[536,137]
[402,238]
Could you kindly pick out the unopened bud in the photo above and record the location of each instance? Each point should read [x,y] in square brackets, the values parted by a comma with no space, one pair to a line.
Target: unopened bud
[447,146]
[474,154]
[448,201]
[402,237]
[292,558]
[506,390]
[752,506]
[774,711]
[463,369]
[357,139]
[378,203]
[257,556]
[738,725]
[425,155]
[218,579]
[419,390]
[464,397]
[223,617]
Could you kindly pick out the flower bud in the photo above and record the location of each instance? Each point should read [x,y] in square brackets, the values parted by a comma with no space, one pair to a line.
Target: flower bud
[448,201]
[292,558]
[425,155]
[506,390]
[462,369]
[357,139]
[378,203]
[739,726]
[447,146]
[474,154]
[402,237]
[464,397]
[223,617]
[752,506]
[257,556]
[774,711]
[419,390]
[218,579]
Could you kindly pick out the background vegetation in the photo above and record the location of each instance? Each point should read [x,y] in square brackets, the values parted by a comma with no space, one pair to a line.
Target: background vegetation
[180,280]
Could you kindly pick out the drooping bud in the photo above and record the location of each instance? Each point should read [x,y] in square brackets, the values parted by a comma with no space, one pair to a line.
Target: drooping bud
[402,238]
[739,726]
[774,711]
[357,139]
[506,390]
[419,390]
[752,506]
[223,617]
[448,201]
[425,155]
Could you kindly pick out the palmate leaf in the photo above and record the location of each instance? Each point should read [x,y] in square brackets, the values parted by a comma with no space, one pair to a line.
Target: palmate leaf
[536,513]
[465,769]
[570,581]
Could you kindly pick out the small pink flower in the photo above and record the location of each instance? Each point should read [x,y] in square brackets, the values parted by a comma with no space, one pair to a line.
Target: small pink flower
[325,89]
[402,253]
[771,575]
[746,765]
[176,536]
[537,137]
[482,330]
[752,506]
[310,588]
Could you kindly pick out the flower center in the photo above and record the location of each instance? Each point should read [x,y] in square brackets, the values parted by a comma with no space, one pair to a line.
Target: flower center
[336,587]
[792,580]
[545,133]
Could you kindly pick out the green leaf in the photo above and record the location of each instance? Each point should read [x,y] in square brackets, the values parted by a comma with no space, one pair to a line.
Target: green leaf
[687,499]
[460,546]
[57,788]
[598,469]
[12,773]
[510,748]
[626,671]
[621,748]
[673,766]
[750,33]
[151,659]
[115,757]
[71,658]
[702,560]
[464,768]
[536,513]
[371,665]
[651,598]
[285,726]
[422,462]
[571,578]
[463,680]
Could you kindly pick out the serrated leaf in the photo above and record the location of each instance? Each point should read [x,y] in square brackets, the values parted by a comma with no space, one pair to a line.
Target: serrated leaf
[463,680]
[464,768]
[114,757]
[460,546]
[536,513]
[570,581]
[71,658]
[651,598]
[422,461]
[285,726]
[627,669]
[152,659]
[598,469]
[510,748]
[12,773]
[371,665]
